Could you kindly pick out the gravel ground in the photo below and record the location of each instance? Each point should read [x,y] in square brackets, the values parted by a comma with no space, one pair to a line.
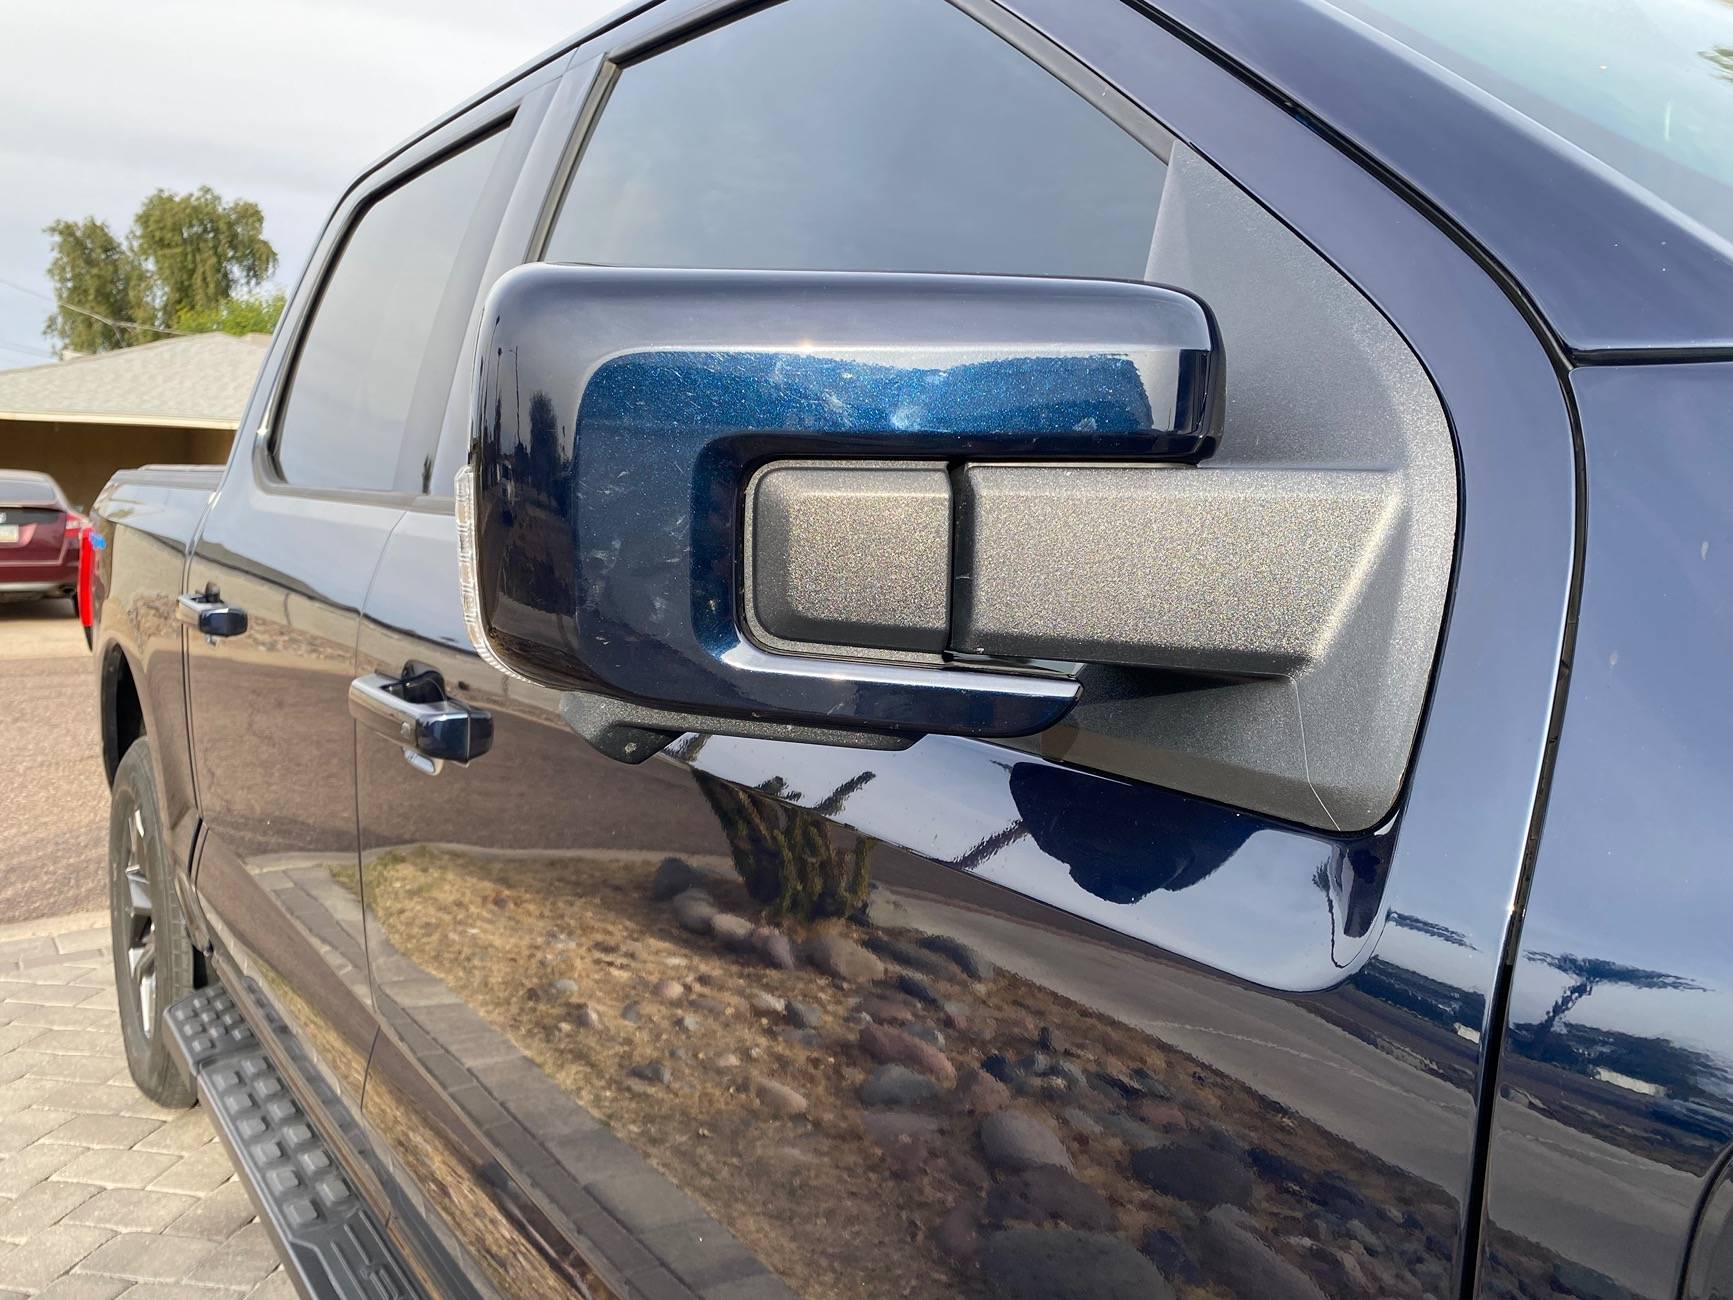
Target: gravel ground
[54,810]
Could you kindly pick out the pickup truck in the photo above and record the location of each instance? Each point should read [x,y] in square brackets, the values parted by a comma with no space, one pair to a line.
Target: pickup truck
[863,648]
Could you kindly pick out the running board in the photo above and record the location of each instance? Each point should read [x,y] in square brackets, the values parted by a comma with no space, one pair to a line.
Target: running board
[330,1241]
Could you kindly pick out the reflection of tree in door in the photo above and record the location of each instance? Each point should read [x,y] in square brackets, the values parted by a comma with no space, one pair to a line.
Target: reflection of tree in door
[789,857]
[1586,974]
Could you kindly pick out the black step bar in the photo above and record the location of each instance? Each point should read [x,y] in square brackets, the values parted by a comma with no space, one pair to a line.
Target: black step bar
[332,1244]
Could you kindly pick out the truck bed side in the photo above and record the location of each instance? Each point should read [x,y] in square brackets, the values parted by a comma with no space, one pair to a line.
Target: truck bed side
[143,524]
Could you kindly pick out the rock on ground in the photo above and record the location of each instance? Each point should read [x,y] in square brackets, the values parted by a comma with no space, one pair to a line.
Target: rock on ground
[1168,1253]
[778,1097]
[1047,1194]
[979,1093]
[674,877]
[887,1045]
[914,957]
[735,931]
[960,954]
[889,1008]
[1064,1264]
[1014,1140]
[773,948]
[1235,1256]
[1135,1135]
[897,1085]
[842,958]
[694,910]
[1195,1173]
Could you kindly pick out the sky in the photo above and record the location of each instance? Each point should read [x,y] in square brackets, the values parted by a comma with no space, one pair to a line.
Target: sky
[277,101]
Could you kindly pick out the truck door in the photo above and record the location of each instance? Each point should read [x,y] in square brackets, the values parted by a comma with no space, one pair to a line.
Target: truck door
[318,479]
[1188,991]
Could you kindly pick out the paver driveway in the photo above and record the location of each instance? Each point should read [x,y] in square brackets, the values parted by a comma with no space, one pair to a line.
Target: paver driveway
[103,1194]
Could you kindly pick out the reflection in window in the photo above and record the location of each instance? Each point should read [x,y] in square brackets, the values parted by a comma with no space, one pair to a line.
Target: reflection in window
[354,381]
[895,135]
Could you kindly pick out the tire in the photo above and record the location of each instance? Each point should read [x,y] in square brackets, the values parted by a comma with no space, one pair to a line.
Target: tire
[153,952]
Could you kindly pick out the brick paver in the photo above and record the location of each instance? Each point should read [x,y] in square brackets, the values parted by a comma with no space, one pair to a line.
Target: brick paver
[104,1196]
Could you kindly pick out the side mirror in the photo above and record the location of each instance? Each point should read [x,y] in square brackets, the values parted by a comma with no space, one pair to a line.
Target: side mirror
[757,502]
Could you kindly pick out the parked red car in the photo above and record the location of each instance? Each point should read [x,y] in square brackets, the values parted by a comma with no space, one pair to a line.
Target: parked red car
[39,536]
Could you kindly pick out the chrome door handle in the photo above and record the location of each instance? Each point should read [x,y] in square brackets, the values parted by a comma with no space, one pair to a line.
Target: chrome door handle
[205,611]
[413,710]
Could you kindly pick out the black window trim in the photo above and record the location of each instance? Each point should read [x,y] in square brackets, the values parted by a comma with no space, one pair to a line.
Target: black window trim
[516,110]
[635,41]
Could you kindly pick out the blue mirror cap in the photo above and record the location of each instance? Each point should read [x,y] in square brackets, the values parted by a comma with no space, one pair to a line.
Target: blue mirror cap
[620,412]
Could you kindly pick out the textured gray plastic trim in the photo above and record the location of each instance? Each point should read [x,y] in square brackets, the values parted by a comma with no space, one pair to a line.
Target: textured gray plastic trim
[1241,572]
[1320,381]
[632,732]
[852,555]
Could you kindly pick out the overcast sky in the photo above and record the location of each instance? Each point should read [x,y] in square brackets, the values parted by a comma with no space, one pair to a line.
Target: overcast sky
[278,101]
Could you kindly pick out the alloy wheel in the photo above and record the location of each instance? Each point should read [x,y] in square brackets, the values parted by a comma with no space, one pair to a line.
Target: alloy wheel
[138,926]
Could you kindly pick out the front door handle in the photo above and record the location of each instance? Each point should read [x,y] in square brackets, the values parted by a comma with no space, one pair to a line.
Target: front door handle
[205,611]
[413,710]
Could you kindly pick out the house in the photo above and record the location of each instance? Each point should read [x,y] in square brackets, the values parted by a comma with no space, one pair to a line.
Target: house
[174,401]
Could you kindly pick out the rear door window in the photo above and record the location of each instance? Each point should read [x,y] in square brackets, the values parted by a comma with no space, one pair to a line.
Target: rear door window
[392,308]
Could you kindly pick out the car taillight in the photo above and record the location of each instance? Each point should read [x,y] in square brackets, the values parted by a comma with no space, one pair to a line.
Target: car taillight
[86,569]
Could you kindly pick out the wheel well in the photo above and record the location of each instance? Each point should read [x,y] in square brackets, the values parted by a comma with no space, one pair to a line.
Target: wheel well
[122,714]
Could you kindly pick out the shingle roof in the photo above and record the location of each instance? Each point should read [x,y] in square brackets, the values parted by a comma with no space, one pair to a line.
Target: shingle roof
[200,379]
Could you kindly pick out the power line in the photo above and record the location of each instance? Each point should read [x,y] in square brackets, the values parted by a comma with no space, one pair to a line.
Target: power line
[20,347]
[82,311]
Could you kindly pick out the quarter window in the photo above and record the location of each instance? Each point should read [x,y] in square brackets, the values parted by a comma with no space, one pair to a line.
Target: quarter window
[894,135]
[353,387]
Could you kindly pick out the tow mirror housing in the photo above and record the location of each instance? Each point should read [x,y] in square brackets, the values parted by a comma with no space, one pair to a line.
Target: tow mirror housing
[745,502]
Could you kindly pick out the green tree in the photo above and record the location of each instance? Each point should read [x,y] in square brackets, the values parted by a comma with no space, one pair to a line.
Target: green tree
[248,314]
[194,252]
[189,263]
[93,270]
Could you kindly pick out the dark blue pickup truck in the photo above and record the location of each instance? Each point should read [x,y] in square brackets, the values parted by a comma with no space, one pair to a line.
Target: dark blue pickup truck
[993,648]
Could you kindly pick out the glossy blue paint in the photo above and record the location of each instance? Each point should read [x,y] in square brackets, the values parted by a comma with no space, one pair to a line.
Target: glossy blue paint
[1249,896]
[1617,1076]
[620,414]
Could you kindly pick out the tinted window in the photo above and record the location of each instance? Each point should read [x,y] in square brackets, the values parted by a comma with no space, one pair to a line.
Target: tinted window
[25,490]
[354,382]
[857,135]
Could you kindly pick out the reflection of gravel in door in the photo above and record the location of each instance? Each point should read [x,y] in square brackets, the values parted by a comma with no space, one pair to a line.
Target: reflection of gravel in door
[885,1124]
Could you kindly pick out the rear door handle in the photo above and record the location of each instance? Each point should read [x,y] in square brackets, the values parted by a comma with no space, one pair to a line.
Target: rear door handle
[205,611]
[414,711]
